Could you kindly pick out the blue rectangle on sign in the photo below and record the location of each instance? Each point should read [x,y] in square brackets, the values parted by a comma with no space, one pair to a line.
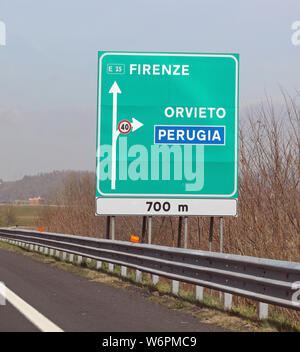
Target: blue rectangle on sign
[205,135]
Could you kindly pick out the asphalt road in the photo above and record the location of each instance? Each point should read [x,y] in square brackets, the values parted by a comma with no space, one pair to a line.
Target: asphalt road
[74,303]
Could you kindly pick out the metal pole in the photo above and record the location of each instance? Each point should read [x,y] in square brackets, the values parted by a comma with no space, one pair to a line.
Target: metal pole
[185,232]
[124,271]
[138,273]
[155,278]
[144,228]
[199,290]
[211,230]
[179,231]
[149,229]
[227,303]
[107,227]
[175,283]
[111,266]
[113,227]
[227,297]
[221,234]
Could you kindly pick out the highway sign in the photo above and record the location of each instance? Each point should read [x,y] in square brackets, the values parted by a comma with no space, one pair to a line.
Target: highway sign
[167,134]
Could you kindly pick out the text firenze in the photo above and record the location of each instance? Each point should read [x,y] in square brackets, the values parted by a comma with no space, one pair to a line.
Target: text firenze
[159,70]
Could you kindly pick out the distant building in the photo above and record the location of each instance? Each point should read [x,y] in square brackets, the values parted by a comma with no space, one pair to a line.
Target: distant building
[35,200]
[20,202]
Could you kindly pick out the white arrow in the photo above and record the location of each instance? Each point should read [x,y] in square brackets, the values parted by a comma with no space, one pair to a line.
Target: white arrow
[136,124]
[115,90]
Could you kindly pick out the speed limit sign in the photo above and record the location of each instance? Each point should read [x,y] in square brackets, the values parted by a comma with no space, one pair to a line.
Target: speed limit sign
[124,126]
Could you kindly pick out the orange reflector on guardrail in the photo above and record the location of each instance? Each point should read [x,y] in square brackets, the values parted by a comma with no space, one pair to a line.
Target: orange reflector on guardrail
[134,238]
[41,229]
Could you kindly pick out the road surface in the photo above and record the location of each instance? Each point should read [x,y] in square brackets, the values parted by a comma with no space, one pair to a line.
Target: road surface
[48,295]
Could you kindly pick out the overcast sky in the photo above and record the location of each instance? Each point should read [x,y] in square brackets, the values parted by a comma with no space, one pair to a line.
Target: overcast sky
[48,68]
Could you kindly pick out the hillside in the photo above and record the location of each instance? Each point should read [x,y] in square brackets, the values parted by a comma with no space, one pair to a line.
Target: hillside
[43,185]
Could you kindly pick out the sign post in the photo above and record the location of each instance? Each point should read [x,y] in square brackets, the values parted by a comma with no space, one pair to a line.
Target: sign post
[167,134]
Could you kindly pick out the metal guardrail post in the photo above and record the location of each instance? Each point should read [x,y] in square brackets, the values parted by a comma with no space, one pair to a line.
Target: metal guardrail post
[263,311]
[138,276]
[227,301]
[155,279]
[175,287]
[124,271]
[199,293]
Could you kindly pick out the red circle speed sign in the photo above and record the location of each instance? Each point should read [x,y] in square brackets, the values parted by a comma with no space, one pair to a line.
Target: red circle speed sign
[124,126]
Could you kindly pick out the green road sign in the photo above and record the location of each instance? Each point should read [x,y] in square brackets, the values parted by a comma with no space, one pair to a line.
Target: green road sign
[167,134]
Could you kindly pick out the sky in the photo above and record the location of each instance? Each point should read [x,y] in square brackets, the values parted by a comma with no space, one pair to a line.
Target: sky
[48,67]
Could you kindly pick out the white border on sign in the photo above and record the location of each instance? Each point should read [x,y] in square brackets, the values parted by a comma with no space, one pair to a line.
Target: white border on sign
[199,196]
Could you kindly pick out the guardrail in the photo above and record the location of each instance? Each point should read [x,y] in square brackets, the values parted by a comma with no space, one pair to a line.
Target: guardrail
[265,280]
